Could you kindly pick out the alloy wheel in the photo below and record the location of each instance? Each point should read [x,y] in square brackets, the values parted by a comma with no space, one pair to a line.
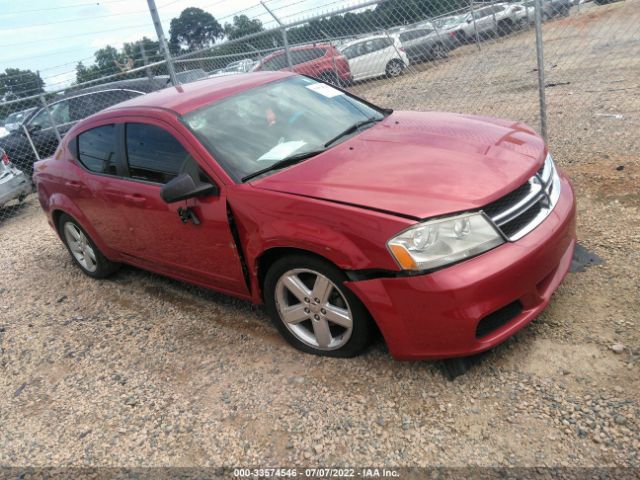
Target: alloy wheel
[80,247]
[394,69]
[313,309]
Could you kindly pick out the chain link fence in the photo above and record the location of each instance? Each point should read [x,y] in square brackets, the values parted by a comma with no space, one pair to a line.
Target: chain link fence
[453,55]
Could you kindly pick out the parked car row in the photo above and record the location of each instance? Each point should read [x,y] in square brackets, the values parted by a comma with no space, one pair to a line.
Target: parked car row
[389,53]
[67,110]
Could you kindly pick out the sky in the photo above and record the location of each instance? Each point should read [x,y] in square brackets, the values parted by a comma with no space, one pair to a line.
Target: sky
[51,36]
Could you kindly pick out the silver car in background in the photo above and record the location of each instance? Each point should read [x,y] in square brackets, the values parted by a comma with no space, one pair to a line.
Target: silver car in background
[13,183]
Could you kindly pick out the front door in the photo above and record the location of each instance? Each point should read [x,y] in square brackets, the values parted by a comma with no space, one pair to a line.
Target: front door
[156,236]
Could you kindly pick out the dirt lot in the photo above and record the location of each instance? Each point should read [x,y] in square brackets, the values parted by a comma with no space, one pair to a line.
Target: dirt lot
[140,370]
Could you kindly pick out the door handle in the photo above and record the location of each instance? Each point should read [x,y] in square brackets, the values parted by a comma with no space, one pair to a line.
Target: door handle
[73,184]
[135,198]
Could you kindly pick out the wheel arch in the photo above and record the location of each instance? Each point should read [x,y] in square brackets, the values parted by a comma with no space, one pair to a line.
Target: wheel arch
[271,255]
[59,204]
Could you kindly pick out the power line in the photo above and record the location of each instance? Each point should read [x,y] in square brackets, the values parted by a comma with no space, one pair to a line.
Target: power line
[73,36]
[60,7]
[79,19]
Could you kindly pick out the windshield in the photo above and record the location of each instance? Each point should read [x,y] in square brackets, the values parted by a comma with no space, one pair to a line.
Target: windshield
[17,117]
[257,128]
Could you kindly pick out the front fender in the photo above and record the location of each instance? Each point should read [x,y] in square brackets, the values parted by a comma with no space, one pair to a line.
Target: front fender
[351,238]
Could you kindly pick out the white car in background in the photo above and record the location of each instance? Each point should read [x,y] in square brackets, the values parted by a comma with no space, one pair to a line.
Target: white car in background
[14,185]
[493,20]
[375,56]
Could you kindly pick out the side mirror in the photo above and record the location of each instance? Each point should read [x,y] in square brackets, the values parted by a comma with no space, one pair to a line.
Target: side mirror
[183,187]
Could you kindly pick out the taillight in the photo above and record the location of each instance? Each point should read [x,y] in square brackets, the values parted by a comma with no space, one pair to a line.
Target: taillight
[5,158]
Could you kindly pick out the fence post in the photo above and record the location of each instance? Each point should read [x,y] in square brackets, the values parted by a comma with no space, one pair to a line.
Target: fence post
[33,147]
[145,60]
[283,29]
[163,41]
[540,59]
[475,28]
[53,123]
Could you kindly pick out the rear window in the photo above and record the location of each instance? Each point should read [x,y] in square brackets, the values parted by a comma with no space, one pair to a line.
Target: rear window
[153,154]
[97,149]
[276,63]
[307,55]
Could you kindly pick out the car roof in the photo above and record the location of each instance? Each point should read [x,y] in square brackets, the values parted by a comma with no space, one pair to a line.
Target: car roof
[309,46]
[188,97]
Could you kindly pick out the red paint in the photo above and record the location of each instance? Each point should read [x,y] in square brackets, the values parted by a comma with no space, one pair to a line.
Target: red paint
[332,63]
[342,205]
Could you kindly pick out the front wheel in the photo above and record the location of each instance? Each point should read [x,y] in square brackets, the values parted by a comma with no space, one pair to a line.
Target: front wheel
[313,310]
[83,250]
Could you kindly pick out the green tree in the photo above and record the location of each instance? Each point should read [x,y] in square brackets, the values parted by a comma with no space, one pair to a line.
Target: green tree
[194,29]
[242,26]
[17,83]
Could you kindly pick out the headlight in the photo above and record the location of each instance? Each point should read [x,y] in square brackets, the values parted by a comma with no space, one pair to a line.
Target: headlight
[440,242]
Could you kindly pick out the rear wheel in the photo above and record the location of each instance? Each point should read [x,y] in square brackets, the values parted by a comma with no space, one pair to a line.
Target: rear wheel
[307,301]
[505,27]
[395,68]
[83,250]
[439,51]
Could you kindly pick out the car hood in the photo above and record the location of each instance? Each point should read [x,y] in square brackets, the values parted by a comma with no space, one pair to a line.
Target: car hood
[419,165]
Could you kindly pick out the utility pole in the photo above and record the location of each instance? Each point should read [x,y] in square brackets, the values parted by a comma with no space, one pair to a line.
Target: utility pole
[163,41]
[283,29]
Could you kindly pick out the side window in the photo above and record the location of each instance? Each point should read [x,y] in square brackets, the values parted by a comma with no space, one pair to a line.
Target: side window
[486,12]
[306,55]
[59,112]
[97,149]
[350,52]
[153,154]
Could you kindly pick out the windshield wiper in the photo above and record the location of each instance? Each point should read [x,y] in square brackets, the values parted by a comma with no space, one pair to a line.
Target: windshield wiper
[285,162]
[352,129]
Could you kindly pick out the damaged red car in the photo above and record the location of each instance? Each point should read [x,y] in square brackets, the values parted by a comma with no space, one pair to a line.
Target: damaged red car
[446,233]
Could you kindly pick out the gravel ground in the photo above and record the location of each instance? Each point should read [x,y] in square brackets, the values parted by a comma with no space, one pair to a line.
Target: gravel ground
[140,370]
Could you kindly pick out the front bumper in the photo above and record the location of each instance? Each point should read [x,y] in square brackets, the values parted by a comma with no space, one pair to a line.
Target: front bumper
[436,315]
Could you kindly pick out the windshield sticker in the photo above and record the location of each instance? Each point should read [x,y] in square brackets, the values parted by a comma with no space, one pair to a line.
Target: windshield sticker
[324,90]
[281,150]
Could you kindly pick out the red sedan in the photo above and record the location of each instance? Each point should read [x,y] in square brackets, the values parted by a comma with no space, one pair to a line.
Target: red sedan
[446,232]
[320,61]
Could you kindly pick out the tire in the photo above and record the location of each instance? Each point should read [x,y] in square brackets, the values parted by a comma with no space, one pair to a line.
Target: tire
[505,28]
[439,52]
[83,250]
[333,324]
[454,367]
[394,68]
